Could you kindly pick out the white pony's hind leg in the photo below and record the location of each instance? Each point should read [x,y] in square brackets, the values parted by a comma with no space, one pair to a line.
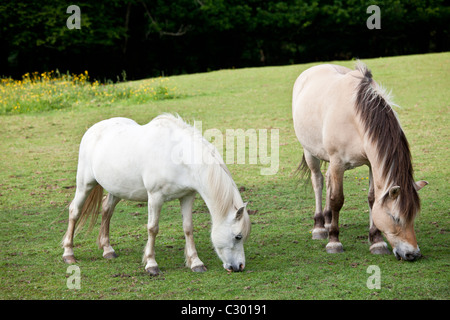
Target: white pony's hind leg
[192,259]
[154,209]
[75,208]
[108,205]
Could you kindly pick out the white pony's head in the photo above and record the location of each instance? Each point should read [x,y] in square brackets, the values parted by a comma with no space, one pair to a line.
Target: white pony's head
[228,237]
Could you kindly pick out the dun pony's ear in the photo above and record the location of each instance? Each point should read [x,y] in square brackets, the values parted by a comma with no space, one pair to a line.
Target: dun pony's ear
[394,192]
[240,211]
[420,184]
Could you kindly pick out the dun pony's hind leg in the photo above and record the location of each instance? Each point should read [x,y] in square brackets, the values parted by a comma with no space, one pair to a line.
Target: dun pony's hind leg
[378,245]
[319,231]
[155,203]
[334,203]
[192,259]
[75,208]
[108,205]
[327,210]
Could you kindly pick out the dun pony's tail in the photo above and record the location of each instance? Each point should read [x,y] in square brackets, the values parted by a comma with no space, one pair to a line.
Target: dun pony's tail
[303,170]
[91,208]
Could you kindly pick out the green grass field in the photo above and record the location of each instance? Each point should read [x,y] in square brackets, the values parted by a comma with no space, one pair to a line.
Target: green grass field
[38,160]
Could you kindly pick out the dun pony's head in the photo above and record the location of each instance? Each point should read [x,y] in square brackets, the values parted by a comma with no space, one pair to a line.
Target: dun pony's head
[398,228]
[228,238]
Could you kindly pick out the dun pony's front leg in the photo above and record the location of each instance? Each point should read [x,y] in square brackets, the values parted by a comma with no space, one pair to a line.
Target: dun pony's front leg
[192,259]
[334,203]
[154,209]
[378,245]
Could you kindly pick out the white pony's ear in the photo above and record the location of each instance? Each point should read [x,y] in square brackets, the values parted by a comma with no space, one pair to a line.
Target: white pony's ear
[420,184]
[240,212]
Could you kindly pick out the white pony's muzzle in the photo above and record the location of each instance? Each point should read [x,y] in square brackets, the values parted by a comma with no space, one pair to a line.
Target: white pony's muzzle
[234,268]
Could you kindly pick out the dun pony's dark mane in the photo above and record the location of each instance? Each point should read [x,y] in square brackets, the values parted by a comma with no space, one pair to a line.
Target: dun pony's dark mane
[384,131]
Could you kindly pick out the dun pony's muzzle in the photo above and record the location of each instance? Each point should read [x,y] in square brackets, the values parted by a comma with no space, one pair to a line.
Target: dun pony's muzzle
[408,255]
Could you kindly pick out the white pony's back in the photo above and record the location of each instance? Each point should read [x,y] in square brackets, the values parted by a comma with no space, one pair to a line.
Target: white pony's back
[130,160]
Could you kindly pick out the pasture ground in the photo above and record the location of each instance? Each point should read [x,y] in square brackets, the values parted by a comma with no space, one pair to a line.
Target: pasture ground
[38,162]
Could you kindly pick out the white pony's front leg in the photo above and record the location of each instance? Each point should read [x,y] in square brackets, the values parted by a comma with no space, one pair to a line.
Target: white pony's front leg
[67,241]
[192,259]
[154,209]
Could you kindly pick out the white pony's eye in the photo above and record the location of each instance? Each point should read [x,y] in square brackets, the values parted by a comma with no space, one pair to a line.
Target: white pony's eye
[238,237]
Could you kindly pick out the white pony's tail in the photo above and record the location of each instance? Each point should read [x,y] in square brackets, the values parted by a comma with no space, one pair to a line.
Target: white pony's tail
[91,208]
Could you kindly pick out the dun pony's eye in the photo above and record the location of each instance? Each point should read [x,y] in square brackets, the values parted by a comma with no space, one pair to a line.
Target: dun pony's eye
[394,218]
[238,237]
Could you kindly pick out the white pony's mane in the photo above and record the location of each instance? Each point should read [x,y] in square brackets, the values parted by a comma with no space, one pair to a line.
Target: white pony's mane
[220,183]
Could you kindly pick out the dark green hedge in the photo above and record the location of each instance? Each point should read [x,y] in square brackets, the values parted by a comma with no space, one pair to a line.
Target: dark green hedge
[150,38]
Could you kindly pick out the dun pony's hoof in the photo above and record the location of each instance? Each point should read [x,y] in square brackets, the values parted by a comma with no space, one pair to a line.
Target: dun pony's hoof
[153,271]
[69,259]
[110,255]
[200,268]
[319,233]
[334,247]
[379,248]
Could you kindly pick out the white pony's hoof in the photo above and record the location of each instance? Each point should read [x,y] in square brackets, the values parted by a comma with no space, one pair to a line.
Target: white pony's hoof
[199,269]
[153,271]
[110,255]
[69,259]
[334,247]
[319,233]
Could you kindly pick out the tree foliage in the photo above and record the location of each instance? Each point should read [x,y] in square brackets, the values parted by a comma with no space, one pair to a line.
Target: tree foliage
[153,37]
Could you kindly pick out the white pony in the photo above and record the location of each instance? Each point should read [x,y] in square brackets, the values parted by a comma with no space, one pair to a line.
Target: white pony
[163,160]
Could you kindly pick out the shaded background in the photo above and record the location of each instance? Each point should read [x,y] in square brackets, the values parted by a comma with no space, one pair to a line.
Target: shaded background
[134,39]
